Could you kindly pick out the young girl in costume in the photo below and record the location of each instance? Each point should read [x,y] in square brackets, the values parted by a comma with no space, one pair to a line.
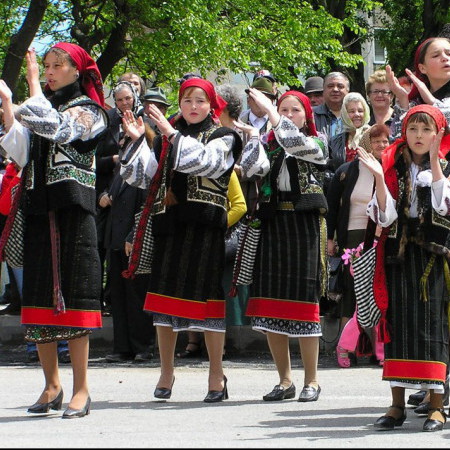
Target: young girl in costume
[411,203]
[193,159]
[54,143]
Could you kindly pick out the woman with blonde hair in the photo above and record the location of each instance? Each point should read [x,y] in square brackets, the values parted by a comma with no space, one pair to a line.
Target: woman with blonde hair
[379,97]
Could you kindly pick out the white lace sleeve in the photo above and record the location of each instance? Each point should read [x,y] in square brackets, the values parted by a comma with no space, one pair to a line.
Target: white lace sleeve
[254,160]
[138,164]
[16,144]
[382,218]
[440,196]
[299,145]
[209,160]
[80,122]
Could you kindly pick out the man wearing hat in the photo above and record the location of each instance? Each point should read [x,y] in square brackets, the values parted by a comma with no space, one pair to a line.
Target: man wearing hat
[314,90]
[155,96]
[254,115]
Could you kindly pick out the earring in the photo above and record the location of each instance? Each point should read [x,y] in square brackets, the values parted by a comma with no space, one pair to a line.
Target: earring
[77,75]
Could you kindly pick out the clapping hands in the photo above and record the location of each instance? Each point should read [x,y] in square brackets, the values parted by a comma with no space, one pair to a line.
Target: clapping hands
[134,128]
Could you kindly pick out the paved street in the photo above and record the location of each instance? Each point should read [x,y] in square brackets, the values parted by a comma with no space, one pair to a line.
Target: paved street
[125,415]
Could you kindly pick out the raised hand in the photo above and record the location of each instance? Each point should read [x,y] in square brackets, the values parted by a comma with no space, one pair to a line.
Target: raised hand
[246,128]
[265,103]
[33,72]
[370,162]
[424,92]
[397,89]
[132,127]
[160,121]
[5,92]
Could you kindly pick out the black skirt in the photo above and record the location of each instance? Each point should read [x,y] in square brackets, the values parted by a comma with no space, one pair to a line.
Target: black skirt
[79,267]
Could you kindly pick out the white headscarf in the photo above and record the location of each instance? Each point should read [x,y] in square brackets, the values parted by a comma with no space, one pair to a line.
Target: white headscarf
[348,124]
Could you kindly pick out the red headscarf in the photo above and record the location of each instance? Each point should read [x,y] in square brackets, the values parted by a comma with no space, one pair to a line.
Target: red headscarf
[90,77]
[216,101]
[304,100]
[388,156]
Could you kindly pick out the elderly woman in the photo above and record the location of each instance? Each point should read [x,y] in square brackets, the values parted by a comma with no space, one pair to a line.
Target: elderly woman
[355,114]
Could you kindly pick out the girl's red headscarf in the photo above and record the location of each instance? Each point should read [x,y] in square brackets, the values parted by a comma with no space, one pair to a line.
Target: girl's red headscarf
[216,101]
[388,156]
[90,77]
[304,100]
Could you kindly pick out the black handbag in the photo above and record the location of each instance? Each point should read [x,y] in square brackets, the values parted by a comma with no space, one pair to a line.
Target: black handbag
[335,278]
[232,241]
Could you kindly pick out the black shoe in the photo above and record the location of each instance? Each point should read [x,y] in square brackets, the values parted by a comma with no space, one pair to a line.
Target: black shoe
[388,422]
[416,398]
[64,357]
[433,424]
[191,353]
[422,409]
[279,392]
[33,356]
[164,393]
[10,310]
[118,357]
[309,394]
[143,357]
[44,408]
[70,413]
[217,396]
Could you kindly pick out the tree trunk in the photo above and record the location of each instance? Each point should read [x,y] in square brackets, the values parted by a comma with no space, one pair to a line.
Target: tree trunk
[20,42]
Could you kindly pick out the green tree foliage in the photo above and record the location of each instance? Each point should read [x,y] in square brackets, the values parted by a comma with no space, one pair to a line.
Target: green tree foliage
[407,24]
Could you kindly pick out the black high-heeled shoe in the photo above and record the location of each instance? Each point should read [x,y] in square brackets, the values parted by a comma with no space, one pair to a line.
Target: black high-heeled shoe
[44,408]
[389,422]
[434,424]
[164,393]
[217,396]
[71,413]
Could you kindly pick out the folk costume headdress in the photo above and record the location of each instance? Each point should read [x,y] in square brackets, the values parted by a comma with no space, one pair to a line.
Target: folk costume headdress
[90,78]
[216,101]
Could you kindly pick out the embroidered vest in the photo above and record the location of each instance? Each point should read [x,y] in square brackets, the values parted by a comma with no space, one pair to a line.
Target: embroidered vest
[199,199]
[430,230]
[62,174]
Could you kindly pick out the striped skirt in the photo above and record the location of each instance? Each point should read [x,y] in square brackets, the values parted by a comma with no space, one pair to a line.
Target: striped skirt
[288,275]
[417,355]
[186,279]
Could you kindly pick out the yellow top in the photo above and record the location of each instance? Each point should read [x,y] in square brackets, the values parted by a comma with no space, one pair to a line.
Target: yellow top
[236,201]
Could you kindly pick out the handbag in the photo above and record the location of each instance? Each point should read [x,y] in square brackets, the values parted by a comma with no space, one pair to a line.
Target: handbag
[232,241]
[368,312]
[248,246]
[145,261]
[335,278]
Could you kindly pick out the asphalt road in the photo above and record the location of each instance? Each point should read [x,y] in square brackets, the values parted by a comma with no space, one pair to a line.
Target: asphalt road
[124,413]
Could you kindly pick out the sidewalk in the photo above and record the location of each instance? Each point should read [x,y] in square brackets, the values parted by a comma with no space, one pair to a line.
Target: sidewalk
[124,413]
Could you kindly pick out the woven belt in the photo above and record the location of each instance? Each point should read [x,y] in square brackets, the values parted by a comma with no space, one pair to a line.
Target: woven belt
[285,206]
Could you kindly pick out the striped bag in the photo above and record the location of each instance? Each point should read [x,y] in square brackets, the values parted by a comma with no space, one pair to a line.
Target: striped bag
[246,254]
[368,312]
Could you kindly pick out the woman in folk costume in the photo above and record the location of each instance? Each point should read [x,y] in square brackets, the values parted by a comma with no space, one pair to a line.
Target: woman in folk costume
[290,267]
[430,81]
[55,143]
[187,171]
[411,203]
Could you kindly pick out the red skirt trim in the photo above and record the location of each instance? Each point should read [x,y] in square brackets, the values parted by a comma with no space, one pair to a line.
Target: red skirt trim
[71,318]
[181,307]
[402,369]
[283,309]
